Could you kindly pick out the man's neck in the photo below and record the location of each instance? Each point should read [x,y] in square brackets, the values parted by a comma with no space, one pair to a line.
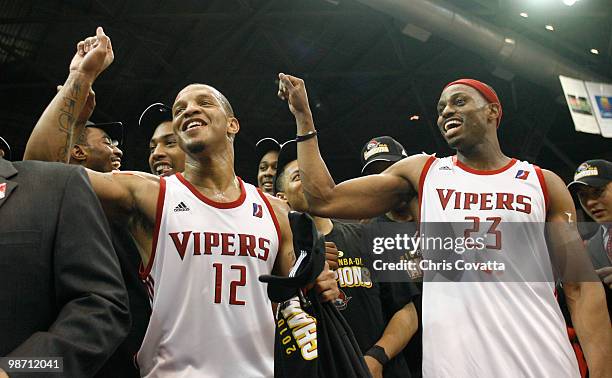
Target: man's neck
[486,156]
[213,177]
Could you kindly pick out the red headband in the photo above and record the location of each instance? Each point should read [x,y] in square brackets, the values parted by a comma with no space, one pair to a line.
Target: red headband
[483,89]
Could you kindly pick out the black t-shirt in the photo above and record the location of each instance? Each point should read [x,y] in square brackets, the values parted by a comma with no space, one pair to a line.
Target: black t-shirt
[314,341]
[121,363]
[367,306]
[413,353]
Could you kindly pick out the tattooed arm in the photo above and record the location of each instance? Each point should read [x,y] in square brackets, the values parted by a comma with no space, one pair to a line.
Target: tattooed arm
[63,120]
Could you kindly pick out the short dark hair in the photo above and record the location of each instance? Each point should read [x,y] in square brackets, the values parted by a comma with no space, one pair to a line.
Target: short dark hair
[220,96]
[279,181]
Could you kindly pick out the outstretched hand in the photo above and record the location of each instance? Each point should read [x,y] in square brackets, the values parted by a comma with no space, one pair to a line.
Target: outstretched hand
[93,55]
[293,90]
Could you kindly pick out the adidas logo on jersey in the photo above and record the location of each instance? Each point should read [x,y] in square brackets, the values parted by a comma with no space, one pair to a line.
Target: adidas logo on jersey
[181,207]
[444,168]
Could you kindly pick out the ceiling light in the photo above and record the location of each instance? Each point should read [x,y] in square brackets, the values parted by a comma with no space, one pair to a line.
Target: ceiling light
[550,27]
[569,3]
[523,14]
[509,41]
[594,51]
[414,118]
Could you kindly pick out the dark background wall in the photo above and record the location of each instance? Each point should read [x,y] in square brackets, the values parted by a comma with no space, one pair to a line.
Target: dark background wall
[364,76]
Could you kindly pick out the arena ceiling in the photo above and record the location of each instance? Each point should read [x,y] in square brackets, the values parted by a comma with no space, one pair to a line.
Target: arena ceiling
[365,77]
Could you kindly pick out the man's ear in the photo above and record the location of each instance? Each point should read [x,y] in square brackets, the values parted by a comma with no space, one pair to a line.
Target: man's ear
[493,111]
[78,153]
[233,127]
[281,195]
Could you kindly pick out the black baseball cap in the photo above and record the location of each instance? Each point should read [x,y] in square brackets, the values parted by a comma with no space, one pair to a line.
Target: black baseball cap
[4,146]
[154,115]
[382,148]
[286,155]
[113,129]
[595,173]
[309,249]
[265,145]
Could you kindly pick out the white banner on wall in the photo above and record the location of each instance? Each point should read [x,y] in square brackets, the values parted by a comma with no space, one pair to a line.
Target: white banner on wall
[600,95]
[579,105]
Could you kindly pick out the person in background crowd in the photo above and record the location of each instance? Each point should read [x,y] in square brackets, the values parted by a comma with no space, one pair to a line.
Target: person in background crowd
[266,152]
[165,157]
[97,148]
[593,186]
[377,155]
[381,314]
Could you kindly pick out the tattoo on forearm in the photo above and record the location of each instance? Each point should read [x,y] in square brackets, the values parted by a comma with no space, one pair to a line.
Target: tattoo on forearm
[66,120]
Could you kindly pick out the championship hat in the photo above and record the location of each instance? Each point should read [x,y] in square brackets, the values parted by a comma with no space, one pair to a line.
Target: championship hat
[382,148]
[595,173]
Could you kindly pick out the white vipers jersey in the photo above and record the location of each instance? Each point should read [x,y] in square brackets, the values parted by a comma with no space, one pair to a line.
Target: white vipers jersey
[493,329]
[211,317]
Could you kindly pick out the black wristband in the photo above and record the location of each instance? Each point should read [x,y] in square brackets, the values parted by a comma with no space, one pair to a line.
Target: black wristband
[378,353]
[308,135]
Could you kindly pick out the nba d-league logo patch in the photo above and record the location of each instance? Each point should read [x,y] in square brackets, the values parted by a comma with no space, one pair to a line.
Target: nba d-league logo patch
[2,190]
[257,210]
[521,174]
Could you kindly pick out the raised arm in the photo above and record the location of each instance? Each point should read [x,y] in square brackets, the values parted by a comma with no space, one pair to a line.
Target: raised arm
[64,118]
[585,295]
[364,197]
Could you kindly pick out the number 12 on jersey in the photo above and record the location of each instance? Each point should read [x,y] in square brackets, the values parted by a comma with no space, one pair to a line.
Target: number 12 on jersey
[233,285]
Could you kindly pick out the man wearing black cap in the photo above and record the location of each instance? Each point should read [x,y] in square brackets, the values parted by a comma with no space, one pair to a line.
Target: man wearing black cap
[266,151]
[465,324]
[5,149]
[381,315]
[379,154]
[165,157]
[593,186]
[96,148]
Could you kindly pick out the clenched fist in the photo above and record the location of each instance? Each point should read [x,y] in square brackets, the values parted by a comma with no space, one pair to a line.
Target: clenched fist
[93,55]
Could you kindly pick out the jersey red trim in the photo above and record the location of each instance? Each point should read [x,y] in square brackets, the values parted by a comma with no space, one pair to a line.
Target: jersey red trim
[426,167]
[542,181]
[219,205]
[143,273]
[482,172]
[272,214]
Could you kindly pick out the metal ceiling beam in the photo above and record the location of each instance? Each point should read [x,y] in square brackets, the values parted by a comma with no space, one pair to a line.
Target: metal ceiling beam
[178,17]
[521,55]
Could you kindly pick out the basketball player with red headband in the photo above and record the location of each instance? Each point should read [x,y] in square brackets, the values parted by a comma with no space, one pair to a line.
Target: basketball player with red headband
[476,329]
